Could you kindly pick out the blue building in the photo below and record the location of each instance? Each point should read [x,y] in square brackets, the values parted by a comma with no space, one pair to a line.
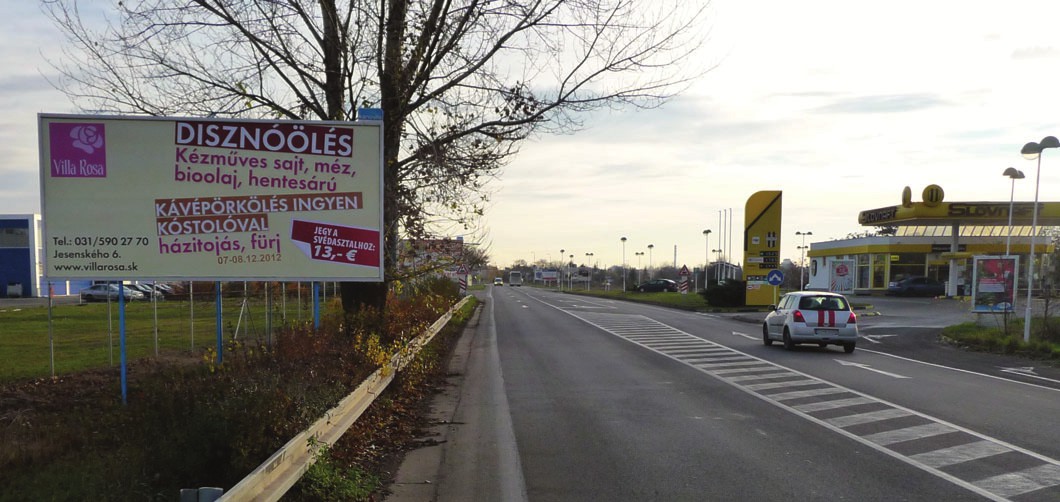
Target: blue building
[22,260]
[20,255]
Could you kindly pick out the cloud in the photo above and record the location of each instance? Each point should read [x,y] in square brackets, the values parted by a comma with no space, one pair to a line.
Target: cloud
[887,103]
[26,83]
[1036,53]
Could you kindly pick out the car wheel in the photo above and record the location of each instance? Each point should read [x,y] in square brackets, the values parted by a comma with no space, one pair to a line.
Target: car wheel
[640,289]
[765,336]
[788,344]
[849,347]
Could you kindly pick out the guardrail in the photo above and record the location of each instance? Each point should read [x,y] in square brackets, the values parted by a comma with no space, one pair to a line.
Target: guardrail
[273,478]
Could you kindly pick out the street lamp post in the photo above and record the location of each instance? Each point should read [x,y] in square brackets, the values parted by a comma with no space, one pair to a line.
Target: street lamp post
[560,281]
[639,254]
[717,264]
[570,275]
[1032,151]
[706,251]
[589,283]
[802,260]
[623,264]
[650,247]
[1015,174]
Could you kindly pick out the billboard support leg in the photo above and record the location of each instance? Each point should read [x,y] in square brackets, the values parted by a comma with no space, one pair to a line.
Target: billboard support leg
[220,330]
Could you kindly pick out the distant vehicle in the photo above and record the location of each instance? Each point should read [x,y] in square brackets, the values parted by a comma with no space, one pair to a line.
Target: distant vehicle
[657,285]
[497,281]
[103,292]
[148,291]
[917,286]
[515,278]
[811,317]
[165,288]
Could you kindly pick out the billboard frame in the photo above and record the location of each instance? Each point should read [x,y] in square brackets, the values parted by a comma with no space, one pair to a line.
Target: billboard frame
[349,203]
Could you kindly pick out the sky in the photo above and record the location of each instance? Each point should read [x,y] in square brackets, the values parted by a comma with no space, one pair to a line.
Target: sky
[838,104]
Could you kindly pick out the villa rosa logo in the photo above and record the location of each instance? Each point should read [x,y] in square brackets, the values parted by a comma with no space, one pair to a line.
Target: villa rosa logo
[78,150]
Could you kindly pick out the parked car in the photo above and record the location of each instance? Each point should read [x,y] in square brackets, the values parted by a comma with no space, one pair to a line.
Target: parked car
[497,281]
[150,292]
[166,289]
[657,285]
[103,292]
[917,286]
[811,317]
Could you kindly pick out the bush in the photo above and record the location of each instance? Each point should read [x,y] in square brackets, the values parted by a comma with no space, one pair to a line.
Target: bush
[192,424]
[731,294]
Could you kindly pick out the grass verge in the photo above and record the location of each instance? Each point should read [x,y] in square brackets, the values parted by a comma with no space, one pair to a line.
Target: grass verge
[997,339]
[192,423]
[88,335]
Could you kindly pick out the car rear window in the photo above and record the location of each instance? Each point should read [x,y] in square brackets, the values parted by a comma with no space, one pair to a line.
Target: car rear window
[823,303]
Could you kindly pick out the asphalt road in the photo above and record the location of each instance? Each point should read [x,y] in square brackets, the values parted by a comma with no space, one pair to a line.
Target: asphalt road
[560,397]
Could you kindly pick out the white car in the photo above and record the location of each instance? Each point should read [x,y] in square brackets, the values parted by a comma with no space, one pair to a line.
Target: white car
[812,317]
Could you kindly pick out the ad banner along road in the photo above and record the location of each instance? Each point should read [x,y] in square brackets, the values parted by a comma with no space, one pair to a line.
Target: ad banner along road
[219,199]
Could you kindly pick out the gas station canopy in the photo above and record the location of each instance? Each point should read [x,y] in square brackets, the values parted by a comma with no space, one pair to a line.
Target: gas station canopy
[934,212]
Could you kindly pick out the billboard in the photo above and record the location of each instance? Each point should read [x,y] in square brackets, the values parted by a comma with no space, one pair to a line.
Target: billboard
[219,199]
[994,283]
[841,276]
[761,245]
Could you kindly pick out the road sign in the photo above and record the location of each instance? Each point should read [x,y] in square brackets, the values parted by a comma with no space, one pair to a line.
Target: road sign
[762,240]
[684,271]
[775,277]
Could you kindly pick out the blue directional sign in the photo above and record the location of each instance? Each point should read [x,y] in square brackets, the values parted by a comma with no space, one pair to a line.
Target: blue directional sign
[775,277]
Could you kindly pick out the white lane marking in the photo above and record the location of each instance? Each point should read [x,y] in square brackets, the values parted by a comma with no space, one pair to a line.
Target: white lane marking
[875,338]
[1028,373]
[909,433]
[1025,481]
[869,368]
[959,370]
[868,418]
[833,404]
[745,335]
[960,453]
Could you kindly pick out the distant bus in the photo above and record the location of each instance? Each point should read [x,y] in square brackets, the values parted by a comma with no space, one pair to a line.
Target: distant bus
[515,278]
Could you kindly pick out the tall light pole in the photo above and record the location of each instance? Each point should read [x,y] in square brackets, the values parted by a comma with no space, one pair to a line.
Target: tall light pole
[1032,151]
[650,247]
[570,277]
[706,251]
[729,247]
[623,264]
[802,260]
[802,249]
[717,261]
[721,238]
[639,254]
[1015,174]
[560,281]
[589,283]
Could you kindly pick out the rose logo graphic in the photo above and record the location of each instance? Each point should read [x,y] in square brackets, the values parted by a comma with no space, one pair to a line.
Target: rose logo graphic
[78,149]
[86,138]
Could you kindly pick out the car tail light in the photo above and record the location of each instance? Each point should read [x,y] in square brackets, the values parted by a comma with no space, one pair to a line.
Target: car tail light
[797,316]
[853,319]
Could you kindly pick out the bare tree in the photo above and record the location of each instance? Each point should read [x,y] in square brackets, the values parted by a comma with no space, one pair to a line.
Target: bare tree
[461,82]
